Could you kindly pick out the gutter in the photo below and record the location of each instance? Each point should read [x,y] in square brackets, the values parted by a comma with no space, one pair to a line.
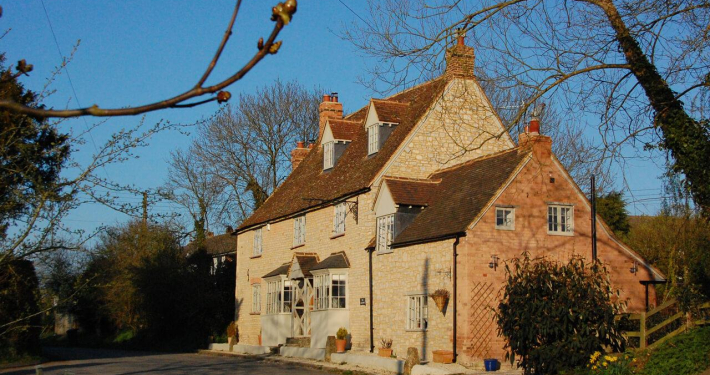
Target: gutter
[456,235]
[455,254]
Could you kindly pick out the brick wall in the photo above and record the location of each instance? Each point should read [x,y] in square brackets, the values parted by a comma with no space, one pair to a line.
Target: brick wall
[530,193]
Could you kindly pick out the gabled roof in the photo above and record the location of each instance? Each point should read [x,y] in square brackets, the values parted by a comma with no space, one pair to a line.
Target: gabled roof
[411,192]
[310,187]
[216,245]
[305,261]
[390,110]
[464,191]
[335,260]
[282,270]
[344,129]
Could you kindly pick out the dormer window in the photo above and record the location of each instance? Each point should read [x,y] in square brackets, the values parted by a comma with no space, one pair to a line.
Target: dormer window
[373,139]
[328,155]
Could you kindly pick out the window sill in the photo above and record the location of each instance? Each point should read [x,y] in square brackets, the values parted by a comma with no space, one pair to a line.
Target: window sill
[255,256]
[565,234]
[297,246]
[384,252]
[255,313]
[504,228]
[337,235]
[415,330]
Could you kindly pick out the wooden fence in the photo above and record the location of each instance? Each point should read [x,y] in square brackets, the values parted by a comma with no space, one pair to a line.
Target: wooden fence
[651,333]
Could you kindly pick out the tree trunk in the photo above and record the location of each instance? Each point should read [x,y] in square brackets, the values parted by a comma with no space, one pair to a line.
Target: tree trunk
[687,140]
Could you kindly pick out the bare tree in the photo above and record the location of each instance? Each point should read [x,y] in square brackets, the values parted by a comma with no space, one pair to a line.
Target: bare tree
[282,14]
[192,186]
[248,146]
[631,65]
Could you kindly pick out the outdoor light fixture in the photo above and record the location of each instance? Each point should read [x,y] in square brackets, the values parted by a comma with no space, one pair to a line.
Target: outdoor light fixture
[494,262]
[634,268]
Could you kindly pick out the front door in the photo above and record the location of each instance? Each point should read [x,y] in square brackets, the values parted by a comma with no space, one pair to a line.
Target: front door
[302,307]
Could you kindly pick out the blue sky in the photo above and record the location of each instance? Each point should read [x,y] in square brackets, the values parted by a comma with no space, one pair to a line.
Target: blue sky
[133,52]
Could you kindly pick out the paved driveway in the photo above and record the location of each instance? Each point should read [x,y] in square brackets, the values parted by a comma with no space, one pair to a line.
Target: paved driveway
[93,361]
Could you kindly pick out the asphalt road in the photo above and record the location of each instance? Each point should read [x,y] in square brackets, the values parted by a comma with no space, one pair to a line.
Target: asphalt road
[94,361]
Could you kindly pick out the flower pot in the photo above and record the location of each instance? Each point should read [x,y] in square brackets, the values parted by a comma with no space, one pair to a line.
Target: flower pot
[491,364]
[340,345]
[441,301]
[443,356]
[385,352]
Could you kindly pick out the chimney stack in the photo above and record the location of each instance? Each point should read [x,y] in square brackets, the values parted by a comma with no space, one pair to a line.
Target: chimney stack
[330,108]
[531,137]
[298,154]
[460,59]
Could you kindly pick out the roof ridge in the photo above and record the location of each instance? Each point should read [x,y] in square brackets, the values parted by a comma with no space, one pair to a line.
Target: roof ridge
[390,101]
[344,120]
[476,160]
[411,179]
[419,85]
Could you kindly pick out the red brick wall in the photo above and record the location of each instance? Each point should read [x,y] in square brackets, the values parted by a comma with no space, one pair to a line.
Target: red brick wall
[479,285]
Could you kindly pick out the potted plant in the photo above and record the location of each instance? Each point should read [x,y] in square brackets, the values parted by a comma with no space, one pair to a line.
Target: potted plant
[232,330]
[385,348]
[340,340]
[491,364]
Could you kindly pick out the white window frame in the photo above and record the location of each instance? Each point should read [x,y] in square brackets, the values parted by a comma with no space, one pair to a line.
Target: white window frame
[328,155]
[417,312]
[278,295]
[504,222]
[258,242]
[560,219]
[299,230]
[373,138]
[339,215]
[329,295]
[385,233]
[256,298]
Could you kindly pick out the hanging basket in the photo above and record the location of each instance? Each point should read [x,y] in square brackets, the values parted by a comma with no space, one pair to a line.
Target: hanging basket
[441,298]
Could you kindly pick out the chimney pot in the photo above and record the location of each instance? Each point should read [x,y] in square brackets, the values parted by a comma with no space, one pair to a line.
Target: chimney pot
[229,230]
[534,126]
[310,146]
[326,98]
[334,96]
[461,40]
[300,144]
[328,109]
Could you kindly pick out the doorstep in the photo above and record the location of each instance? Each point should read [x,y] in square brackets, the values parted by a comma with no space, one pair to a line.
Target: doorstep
[241,349]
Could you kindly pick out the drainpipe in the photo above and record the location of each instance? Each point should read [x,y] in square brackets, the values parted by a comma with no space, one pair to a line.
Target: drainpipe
[372,332]
[456,242]
[594,219]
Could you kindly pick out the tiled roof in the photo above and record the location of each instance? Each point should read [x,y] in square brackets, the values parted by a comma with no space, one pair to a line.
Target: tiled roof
[411,192]
[465,190]
[335,260]
[282,270]
[344,129]
[306,262]
[309,186]
[216,245]
[390,110]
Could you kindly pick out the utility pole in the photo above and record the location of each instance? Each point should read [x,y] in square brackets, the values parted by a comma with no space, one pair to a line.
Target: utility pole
[594,220]
[145,209]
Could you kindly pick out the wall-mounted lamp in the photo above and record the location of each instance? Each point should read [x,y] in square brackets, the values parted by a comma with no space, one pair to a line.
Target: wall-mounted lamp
[268,226]
[494,262]
[634,268]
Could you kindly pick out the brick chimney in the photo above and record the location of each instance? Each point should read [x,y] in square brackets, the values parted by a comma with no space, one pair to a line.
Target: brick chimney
[531,137]
[329,108]
[298,154]
[460,59]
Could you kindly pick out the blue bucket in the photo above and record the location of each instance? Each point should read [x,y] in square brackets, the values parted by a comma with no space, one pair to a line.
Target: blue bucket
[491,364]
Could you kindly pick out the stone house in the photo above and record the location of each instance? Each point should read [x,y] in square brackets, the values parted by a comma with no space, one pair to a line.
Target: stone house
[418,192]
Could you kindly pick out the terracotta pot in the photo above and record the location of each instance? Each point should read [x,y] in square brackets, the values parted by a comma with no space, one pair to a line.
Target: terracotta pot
[385,352]
[340,345]
[443,356]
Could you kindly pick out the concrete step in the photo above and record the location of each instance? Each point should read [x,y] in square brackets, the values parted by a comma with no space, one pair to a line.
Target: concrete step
[299,342]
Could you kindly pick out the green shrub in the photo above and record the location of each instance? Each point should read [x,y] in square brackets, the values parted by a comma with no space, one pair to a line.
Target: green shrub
[686,354]
[554,316]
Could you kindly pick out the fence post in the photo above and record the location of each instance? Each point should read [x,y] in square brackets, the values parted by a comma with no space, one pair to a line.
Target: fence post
[642,331]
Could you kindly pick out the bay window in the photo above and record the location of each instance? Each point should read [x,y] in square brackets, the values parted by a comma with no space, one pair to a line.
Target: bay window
[278,296]
[330,290]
